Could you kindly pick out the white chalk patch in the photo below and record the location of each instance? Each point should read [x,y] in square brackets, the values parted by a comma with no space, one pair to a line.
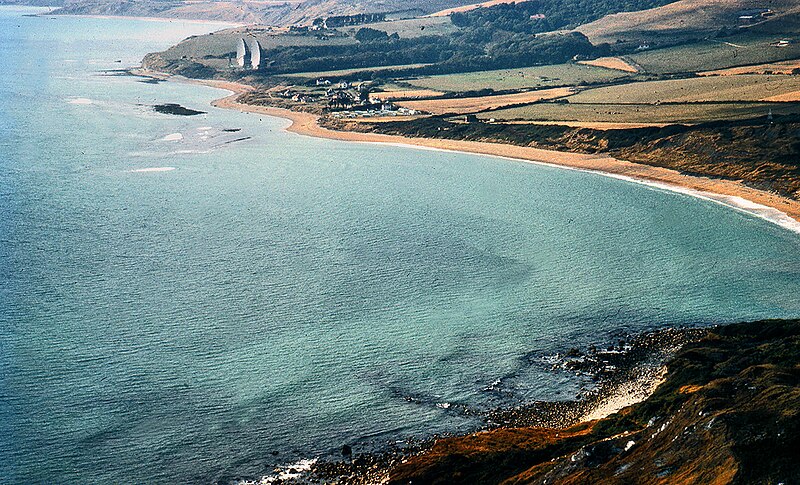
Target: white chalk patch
[83,101]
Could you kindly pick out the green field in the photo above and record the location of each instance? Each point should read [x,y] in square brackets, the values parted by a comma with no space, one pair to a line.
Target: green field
[410,28]
[715,54]
[331,75]
[528,77]
[632,113]
[713,88]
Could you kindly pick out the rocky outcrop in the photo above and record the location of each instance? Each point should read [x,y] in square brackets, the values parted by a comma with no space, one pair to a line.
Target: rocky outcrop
[728,412]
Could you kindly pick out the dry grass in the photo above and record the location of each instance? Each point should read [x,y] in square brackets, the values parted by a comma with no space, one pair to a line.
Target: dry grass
[406,94]
[467,8]
[785,97]
[690,113]
[410,28]
[685,18]
[784,67]
[595,125]
[615,63]
[213,50]
[692,90]
[471,105]
[521,78]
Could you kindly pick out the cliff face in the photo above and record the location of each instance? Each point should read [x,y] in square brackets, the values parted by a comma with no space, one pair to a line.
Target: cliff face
[728,412]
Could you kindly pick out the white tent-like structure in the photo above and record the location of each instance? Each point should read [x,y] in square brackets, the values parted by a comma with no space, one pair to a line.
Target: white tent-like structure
[255,53]
[248,53]
[241,53]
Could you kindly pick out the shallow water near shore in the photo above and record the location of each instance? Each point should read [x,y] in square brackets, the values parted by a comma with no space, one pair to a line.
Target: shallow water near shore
[180,296]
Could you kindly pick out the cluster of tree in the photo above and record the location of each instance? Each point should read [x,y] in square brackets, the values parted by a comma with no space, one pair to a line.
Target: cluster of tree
[535,16]
[502,36]
[369,53]
[366,34]
[521,50]
[344,20]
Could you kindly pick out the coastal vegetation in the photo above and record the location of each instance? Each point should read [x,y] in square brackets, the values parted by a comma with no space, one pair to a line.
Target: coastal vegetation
[725,401]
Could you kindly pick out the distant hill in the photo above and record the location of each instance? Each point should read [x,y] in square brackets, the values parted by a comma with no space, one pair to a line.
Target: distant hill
[34,3]
[230,11]
[267,12]
[310,9]
[692,19]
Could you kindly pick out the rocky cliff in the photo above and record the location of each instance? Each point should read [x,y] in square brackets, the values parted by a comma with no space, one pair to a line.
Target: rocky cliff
[728,412]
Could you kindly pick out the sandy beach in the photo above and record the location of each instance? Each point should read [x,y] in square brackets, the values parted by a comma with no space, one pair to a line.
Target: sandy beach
[773,207]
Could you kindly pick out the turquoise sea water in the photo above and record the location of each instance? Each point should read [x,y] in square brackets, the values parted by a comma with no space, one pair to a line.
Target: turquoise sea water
[285,293]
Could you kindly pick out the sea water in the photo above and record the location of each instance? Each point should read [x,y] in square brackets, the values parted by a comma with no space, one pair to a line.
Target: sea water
[180,297]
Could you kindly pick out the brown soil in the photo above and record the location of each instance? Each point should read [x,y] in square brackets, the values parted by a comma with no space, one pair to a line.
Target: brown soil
[611,63]
[481,103]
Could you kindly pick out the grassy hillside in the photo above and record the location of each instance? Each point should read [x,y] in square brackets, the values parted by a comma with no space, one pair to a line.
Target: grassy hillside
[692,19]
[522,78]
[708,89]
[409,28]
[739,50]
[662,114]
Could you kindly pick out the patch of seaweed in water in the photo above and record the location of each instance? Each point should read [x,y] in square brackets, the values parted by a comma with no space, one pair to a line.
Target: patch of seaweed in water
[176,109]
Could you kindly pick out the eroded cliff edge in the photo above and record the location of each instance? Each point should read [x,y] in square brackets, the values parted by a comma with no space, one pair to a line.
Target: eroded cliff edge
[726,413]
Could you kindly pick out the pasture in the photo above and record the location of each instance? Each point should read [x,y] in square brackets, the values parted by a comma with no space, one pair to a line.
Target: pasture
[522,78]
[748,87]
[708,55]
[641,113]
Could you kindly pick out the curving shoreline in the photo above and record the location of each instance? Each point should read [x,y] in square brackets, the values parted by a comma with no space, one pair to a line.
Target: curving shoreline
[777,209]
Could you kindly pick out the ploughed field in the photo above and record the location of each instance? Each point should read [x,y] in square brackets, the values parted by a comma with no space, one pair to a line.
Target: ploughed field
[646,113]
[691,100]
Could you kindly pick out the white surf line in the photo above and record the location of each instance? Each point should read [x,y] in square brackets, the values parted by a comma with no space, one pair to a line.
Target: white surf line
[152,169]
[769,214]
